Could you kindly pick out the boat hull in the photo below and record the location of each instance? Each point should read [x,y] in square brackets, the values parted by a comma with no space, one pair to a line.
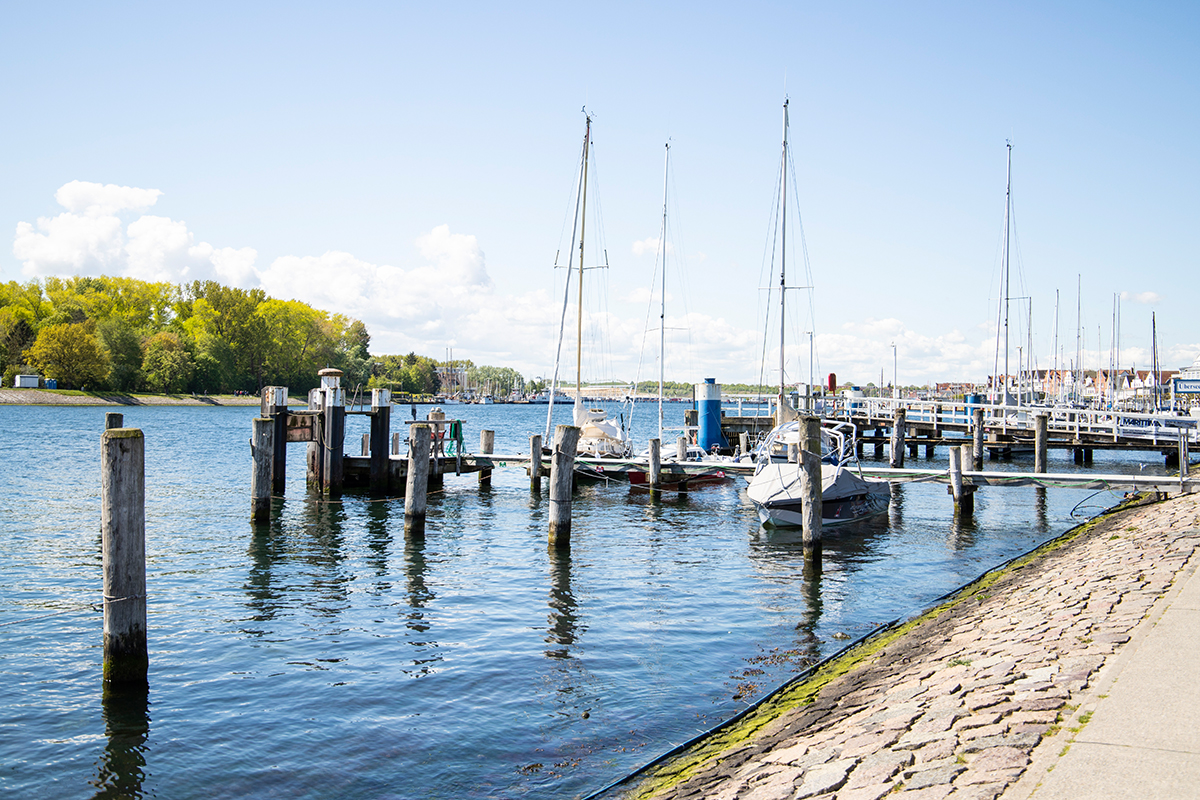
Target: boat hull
[790,513]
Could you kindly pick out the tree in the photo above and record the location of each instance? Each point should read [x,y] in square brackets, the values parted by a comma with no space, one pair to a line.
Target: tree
[70,354]
[168,366]
[124,349]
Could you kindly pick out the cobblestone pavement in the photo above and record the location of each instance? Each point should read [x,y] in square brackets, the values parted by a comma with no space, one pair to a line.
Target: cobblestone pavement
[955,705]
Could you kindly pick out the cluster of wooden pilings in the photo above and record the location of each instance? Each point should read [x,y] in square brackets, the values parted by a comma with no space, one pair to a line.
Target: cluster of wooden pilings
[382,469]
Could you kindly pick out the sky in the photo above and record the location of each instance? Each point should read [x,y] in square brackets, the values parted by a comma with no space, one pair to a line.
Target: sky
[414,166]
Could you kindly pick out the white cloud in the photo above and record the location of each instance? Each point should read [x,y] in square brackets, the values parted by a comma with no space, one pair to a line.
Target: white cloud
[1145,298]
[90,237]
[651,245]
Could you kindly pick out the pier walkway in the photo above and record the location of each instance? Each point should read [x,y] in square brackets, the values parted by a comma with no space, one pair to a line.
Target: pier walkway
[1073,672]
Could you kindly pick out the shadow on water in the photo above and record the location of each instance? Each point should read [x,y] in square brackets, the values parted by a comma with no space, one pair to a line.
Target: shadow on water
[418,595]
[564,622]
[122,767]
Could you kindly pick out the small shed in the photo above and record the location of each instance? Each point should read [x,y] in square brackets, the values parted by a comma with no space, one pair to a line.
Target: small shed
[26,382]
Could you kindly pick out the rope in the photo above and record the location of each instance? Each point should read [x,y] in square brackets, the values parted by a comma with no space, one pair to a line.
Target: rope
[80,607]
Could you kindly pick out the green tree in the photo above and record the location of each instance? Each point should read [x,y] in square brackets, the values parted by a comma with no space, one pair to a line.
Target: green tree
[124,349]
[168,366]
[71,354]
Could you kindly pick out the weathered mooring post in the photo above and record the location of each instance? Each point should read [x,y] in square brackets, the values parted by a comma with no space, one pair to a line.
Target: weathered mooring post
[811,428]
[381,426]
[274,404]
[896,454]
[743,443]
[1041,436]
[123,541]
[562,469]
[366,445]
[333,443]
[681,445]
[535,463]
[654,479]
[964,494]
[810,492]
[314,476]
[977,439]
[262,449]
[113,419]
[395,444]
[487,443]
[418,480]
[878,442]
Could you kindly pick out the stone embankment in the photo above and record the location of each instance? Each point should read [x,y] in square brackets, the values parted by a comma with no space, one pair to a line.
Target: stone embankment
[45,397]
[978,696]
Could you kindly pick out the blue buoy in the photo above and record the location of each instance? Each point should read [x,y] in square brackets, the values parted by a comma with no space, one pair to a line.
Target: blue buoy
[708,401]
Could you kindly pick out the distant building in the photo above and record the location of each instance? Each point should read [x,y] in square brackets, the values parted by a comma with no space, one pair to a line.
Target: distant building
[26,381]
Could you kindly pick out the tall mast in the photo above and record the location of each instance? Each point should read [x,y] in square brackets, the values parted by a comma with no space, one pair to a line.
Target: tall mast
[783,256]
[1007,215]
[1154,358]
[1057,381]
[662,299]
[1079,373]
[587,138]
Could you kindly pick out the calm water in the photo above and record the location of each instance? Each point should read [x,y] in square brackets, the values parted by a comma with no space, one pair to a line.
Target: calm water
[323,655]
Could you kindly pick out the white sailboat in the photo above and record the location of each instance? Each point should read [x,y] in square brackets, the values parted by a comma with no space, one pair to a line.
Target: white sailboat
[599,436]
[775,487]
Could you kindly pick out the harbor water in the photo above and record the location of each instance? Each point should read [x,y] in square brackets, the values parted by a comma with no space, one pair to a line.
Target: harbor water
[323,655]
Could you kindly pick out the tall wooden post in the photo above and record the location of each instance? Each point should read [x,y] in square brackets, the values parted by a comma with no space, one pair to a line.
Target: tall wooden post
[878,442]
[743,443]
[334,444]
[113,419]
[381,426]
[812,434]
[977,439]
[810,493]
[654,478]
[562,468]
[314,476]
[681,448]
[418,480]
[262,449]
[275,405]
[1041,436]
[123,541]
[487,443]
[793,452]
[966,503]
[896,456]
[535,463]
[395,444]
[365,451]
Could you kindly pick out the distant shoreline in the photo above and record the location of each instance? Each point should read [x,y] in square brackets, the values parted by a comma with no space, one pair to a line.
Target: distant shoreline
[47,397]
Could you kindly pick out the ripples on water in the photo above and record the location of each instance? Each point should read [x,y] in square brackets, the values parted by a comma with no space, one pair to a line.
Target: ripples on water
[323,655]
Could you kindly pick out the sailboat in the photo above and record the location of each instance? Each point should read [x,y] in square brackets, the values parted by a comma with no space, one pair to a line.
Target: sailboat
[600,436]
[775,487]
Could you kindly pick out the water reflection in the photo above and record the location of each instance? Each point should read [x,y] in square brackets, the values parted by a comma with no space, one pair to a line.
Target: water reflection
[564,622]
[122,767]
[1040,510]
[379,541]
[896,507]
[419,595]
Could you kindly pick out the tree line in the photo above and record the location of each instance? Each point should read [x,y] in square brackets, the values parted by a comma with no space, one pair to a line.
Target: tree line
[128,335]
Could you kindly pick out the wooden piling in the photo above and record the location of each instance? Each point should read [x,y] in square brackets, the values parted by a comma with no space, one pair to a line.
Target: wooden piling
[793,454]
[743,443]
[810,493]
[395,444]
[912,449]
[562,469]
[977,439]
[262,450]
[655,476]
[123,542]
[274,404]
[487,442]
[681,448]
[113,419]
[380,474]
[966,503]
[1041,436]
[956,479]
[896,454]
[812,434]
[315,458]
[366,445]
[535,463]
[878,440]
[418,480]
[333,444]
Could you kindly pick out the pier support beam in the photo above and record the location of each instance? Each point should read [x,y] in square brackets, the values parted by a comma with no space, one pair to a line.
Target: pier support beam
[964,495]
[418,480]
[262,448]
[655,476]
[275,405]
[977,434]
[562,469]
[1041,436]
[381,427]
[878,443]
[123,545]
[896,456]
[535,463]
[487,442]
[810,493]
[333,442]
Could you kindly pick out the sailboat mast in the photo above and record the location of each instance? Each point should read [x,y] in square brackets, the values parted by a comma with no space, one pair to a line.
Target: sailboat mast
[662,299]
[1007,216]
[587,139]
[783,257]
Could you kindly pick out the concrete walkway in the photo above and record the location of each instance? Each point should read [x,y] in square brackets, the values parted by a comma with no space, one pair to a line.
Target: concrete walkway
[1142,737]
[1073,673]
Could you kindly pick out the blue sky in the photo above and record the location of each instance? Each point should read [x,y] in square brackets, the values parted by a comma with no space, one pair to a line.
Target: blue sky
[412,165]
